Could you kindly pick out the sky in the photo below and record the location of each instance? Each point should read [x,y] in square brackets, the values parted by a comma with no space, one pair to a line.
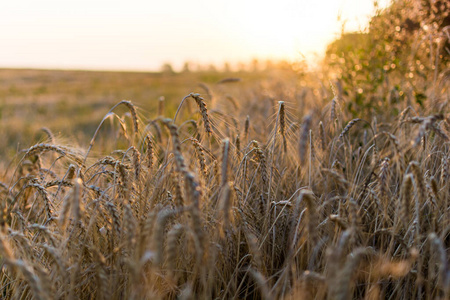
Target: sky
[144,34]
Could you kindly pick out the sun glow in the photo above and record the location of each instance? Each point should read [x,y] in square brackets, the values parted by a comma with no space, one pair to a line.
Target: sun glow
[142,35]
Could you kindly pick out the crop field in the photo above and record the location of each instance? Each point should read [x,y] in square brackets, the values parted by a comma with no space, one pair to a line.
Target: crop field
[274,184]
[32,99]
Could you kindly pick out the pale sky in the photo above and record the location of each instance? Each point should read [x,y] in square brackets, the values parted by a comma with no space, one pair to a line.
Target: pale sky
[142,35]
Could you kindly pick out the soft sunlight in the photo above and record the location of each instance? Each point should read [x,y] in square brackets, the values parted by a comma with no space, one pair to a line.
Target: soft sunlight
[224,149]
[142,35]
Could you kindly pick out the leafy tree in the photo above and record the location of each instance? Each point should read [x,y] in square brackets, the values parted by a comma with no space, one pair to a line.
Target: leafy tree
[406,45]
[167,68]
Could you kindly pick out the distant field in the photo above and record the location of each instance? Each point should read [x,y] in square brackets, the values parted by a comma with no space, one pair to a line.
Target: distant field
[72,103]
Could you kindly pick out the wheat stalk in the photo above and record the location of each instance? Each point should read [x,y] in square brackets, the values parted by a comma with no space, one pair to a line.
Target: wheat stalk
[348,127]
[225,159]
[204,112]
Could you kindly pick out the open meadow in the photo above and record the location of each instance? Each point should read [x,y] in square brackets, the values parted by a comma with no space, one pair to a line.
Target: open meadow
[283,183]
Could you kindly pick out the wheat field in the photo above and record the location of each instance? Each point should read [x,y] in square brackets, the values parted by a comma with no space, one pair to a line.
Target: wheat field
[273,197]
[285,183]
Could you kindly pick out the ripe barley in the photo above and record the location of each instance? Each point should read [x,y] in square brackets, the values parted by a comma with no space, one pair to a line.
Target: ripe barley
[237,144]
[173,237]
[225,204]
[200,155]
[132,109]
[149,152]
[246,127]
[179,158]
[50,135]
[406,197]
[158,237]
[322,136]
[341,287]
[115,217]
[310,200]
[136,160]
[225,158]
[333,110]
[282,118]
[76,200]
[262,162]
[303,141]
[443,271]
[204,112]
[348,127]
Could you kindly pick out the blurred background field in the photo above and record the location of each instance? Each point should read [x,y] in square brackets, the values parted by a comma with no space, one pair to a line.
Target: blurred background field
[72,103]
